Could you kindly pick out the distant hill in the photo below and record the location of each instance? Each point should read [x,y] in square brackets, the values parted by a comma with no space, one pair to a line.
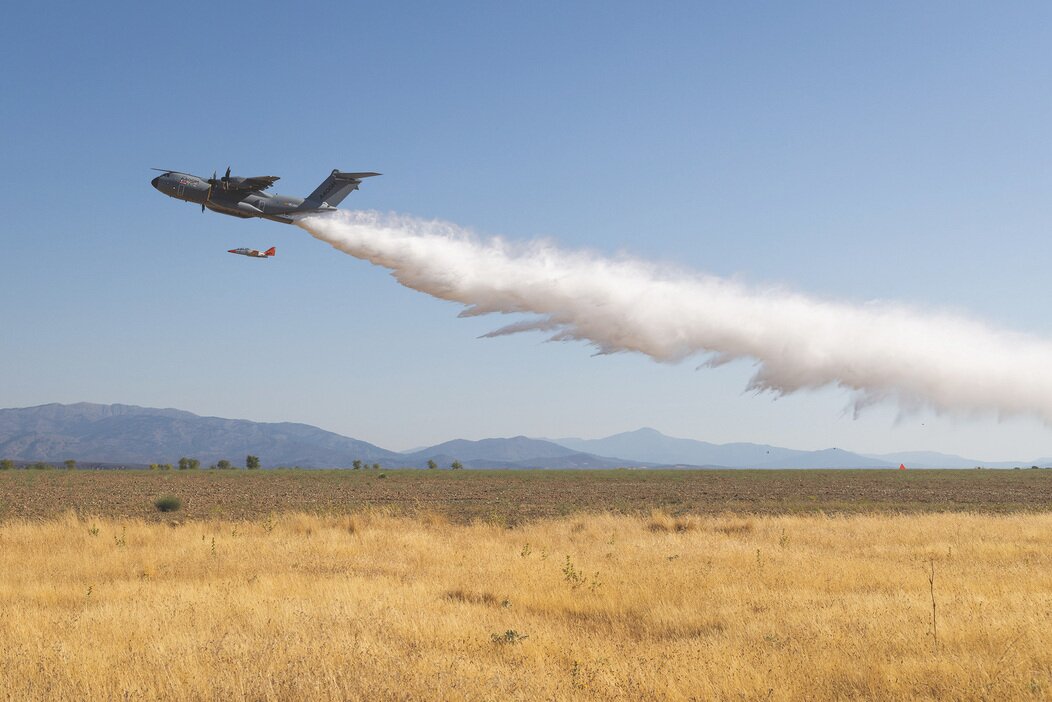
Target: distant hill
[933,459]
[825,458]
[651,445]
[515,452]
[517,448]
[128,434]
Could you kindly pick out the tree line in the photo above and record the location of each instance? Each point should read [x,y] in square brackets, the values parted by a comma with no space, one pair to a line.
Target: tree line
[188,463]
[185,463]
[8,464]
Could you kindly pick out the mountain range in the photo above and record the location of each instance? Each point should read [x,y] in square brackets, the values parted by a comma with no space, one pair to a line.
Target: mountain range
[126,434]
[651,445]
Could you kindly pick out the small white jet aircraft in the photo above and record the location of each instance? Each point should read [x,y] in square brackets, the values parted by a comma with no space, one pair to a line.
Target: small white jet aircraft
[253,252]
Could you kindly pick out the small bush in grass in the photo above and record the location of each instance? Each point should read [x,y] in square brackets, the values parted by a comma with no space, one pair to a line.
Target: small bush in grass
[168,503]
[662,521]
[508,637]
[735,527]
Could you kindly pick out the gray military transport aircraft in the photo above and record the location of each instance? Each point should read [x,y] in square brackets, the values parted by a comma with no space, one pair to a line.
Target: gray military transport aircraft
[244,197]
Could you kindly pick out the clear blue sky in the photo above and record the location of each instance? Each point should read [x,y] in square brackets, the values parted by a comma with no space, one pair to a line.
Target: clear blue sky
[895,151]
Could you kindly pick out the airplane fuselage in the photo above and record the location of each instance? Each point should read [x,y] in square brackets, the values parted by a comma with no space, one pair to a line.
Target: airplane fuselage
[253,253]
[244,197]
[279,208]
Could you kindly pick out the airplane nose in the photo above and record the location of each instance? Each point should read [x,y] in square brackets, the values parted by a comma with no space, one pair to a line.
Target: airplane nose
[156,182]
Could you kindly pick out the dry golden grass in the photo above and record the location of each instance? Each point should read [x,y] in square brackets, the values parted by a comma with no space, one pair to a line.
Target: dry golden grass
[370,606]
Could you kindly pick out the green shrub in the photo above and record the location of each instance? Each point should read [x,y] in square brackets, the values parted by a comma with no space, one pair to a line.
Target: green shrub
[168,503]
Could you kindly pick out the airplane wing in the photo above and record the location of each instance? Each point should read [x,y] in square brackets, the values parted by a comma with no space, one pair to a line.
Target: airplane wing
[255,183]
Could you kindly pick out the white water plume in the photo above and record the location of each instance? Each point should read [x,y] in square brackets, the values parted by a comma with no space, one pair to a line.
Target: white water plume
[880,351]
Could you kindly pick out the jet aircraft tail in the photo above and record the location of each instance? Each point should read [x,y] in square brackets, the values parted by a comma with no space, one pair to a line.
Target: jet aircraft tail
[335,188]
[271,251]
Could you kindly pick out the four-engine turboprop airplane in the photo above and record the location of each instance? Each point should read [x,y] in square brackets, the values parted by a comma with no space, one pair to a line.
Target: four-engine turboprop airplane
[244,197]
[254,253]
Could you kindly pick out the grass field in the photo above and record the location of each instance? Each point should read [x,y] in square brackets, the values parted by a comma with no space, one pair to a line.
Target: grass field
[528,585]
[607,607]
[515,497]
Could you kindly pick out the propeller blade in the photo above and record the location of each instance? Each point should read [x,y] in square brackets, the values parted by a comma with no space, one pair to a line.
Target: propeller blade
[208,195]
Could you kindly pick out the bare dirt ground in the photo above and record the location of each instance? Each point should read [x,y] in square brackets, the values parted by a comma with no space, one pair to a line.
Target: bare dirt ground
[514,497]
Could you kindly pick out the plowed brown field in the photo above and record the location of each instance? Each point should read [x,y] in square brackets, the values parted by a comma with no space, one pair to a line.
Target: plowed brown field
[519,496]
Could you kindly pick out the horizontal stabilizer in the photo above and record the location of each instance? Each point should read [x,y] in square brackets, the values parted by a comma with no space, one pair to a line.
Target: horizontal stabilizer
[352,176]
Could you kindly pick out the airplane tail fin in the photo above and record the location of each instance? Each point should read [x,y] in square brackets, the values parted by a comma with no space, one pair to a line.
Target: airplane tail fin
[336,187]
[271,251]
